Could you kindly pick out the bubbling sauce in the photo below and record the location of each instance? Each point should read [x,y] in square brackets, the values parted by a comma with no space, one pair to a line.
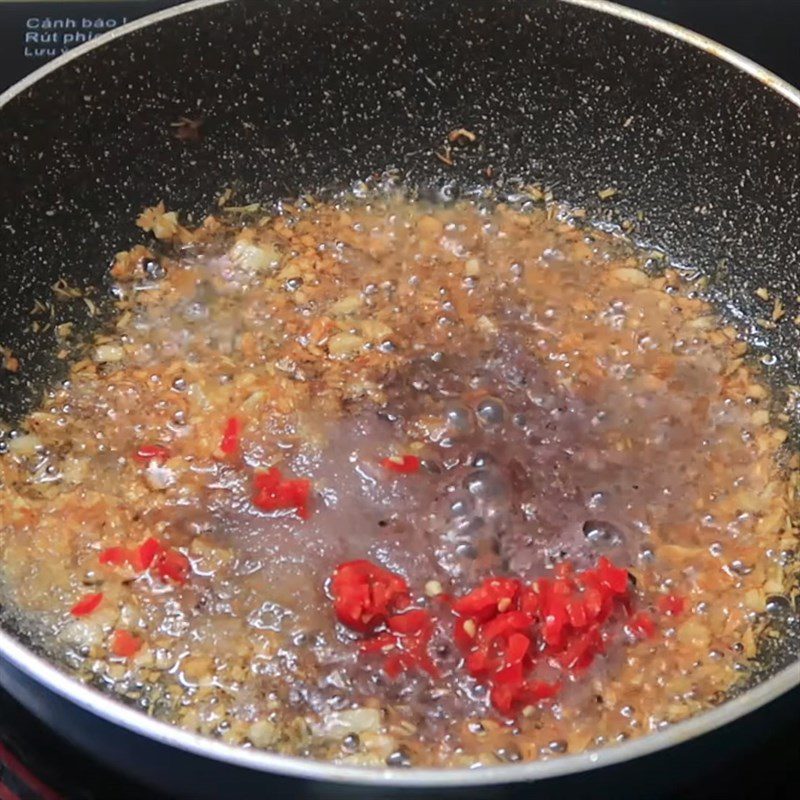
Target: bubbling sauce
[559,403]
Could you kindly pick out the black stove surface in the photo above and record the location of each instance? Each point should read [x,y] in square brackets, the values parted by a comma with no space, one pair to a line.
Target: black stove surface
[35,764]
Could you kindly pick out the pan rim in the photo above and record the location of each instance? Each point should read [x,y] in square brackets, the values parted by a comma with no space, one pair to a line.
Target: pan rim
[112,711]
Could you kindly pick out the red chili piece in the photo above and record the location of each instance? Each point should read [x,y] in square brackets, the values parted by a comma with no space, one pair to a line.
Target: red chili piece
[365,594]
[485,601]
[464,633]
[230,436]
[151,452]
[174,566]
[410,622]
[124,644]
[147,553]
[413,629]
[273,492]
[615,579]
[506,629]
[671,604]
[642,626]
[580,652]
[397,663]
[404,465]
[86,605]
[166,563]
[115,556]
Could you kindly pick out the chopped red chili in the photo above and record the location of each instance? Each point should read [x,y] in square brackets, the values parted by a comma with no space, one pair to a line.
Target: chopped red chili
[125,644]
[576,611]
[397,663]
[86,605]
[613,578]
[403,654]
[580,652]
[641,625]
[404,465]
[411,652]
[168,564]
[594,603]
[365,594]
[174,566]
[518,646]
[479,664]
[147,553]
[402,602]
[486,600]
[506,631]
[507,696]
[464,634]
[555,621]
[504,625]
[151,452]
[540,690]
[671,604]
[413,630]
[529,601]
[230,436]
[115,556]
[512,675]
[410,622]
[503,697]
[273,492]
[422,660]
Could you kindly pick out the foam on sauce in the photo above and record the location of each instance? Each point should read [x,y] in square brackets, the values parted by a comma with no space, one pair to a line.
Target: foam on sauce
[564,403]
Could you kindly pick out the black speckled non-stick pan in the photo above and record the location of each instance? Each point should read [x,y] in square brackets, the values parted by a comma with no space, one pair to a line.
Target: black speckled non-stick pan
[702,147]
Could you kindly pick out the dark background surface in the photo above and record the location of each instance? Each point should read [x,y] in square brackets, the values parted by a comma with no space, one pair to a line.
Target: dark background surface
[768,766]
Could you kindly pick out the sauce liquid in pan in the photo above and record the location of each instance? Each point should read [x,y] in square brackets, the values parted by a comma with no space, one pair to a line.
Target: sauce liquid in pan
[556,405]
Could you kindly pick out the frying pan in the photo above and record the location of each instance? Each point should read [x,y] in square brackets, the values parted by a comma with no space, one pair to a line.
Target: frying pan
[702,146]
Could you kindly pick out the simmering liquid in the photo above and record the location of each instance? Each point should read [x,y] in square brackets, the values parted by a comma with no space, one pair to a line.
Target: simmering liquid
[451,394]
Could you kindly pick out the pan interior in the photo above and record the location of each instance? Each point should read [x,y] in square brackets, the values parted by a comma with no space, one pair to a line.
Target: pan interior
[548,113]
